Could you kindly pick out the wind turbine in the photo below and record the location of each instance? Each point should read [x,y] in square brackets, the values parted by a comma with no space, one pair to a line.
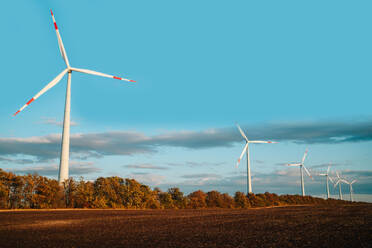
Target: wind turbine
[339,181]
[351,187]
[327,178]
[246,150]
[63,166]
[302,167]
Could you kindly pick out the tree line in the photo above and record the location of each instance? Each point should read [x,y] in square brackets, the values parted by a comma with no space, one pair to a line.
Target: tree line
[33,191]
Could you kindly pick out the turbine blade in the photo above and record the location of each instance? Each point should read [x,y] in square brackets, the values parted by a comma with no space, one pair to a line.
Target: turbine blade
[308,173]
[298,164]
[305,154]
[354,181]
[100,74]
[60,43]
[330,179]
[241,132]
[344,181]
[241,155]
[328,169]
[46,88]
[262,142]
[337,183]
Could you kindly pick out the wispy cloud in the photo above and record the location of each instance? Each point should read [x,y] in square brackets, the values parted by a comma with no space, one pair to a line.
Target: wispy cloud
[202,175]
[145,166]
[130,142]
[357,173]
[325,165]
[77,168]
[196,164]
[315,131]
[148,178]
[16,161]
[53,121]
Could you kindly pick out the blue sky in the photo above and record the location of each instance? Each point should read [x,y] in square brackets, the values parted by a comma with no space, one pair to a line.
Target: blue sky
[293,71]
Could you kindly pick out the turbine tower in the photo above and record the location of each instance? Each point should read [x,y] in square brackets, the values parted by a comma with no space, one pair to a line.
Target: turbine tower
[350,187]
[327,178]
[246,150]
[302,168]
[64,160]
[339,181]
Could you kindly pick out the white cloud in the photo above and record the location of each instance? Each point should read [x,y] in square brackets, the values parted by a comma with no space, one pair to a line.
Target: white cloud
[16,160]
[130,142]
[75,168]
[53,121]
[148,178]
[202,176]
[145,166]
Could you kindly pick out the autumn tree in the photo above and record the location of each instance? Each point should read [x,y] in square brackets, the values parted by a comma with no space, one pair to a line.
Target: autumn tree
[166,200]
[4,189]
[197,199]
[84,196]
[31,183]
[214,199]
[136,194]
[34,191]
[241,200]
[271,199]
[109,192]
[227,201]
[69,192]
[15,184]
[179,200]
[48,194]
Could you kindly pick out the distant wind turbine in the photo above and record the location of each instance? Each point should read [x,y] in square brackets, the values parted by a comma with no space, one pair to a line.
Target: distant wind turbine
[350,187]
[64,161]
[302,167]
[339,181]
[246,149]
[327,178]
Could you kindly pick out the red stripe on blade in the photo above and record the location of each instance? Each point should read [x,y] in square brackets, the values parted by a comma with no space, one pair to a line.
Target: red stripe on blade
[31,100]
[55,26]
[117,77]
[132,81]
[17,112]
[51,12]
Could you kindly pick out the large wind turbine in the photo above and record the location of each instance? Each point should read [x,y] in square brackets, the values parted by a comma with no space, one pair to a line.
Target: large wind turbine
[63,166]
[350,187]
[302,167]
[327,178]
[246,149]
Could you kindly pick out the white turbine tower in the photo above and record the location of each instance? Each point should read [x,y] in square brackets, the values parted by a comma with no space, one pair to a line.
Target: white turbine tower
[350,187]
[63,166]
[339,181]
[302,167]
[246,149]
[327,178]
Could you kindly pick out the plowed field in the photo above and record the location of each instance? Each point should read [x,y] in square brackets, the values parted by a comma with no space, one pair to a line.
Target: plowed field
[299,226]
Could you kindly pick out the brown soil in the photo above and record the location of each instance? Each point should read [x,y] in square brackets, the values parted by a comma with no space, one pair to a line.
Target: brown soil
[297,226]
